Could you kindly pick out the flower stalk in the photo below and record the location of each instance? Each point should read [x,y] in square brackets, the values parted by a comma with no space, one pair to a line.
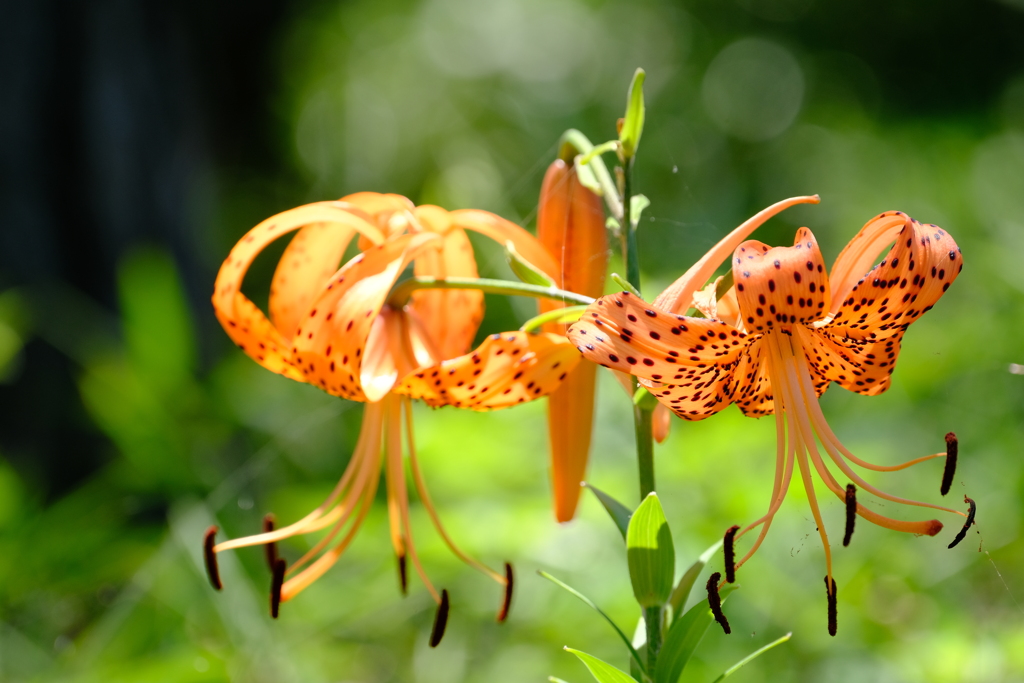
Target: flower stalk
[403,291]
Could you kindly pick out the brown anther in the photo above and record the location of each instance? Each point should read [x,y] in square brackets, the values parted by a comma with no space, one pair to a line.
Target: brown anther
[270,548]
[507,602]
[440,620]
[403,574]
[851,513]
[730,553]
[967,524]
[715,602]
[833,617]
[276,581]
[952,450]
[211,558]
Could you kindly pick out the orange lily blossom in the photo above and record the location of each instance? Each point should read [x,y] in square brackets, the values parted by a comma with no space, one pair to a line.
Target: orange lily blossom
[571,226]
[778,337]
[335,329]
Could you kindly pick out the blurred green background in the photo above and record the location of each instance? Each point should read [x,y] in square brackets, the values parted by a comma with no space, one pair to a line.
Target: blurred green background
[139,140]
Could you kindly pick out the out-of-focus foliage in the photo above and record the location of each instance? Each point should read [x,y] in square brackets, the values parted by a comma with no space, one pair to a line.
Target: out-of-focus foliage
[875,106]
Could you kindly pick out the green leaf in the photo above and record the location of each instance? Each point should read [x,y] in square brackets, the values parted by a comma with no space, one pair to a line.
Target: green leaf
[619,513]
[633,123]
[683,638]
[524,270]
[650,554]
[603,672]
[685,585]
[555,679]
[637,204]
[625,284]
[644,399]
[598,150]
[752,656]
[590,603]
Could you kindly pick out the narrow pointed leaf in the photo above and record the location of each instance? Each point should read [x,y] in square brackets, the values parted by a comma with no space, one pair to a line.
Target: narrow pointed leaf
[524,270]
[603,672]
[619,513]
[633,123]
[683,638]
[685,585]
[590,603]
[752,656]
[650,553]
[625,284]
[555,679]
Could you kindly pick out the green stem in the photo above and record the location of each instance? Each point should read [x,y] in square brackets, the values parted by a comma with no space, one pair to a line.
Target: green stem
[574,142]
[632,255]
[401,293]
[643,426]
[569,313]
[652,620]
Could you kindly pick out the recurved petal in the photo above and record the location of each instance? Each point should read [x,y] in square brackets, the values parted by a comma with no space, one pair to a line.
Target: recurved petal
[751,388]
[450,317]
[377,205]
[678,296]
[622,332]
[502,231]
[857,257]
[242,320]
[918,269]
[332,340]
[307,264]
[506,369]
[864,367]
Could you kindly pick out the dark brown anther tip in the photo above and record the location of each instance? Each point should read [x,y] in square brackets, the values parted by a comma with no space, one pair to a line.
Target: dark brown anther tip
[270,548]
[715,602]
[506,604]
[730,553]
[403,575]
[211,558]
[833,616]
[962,534]
[851,513]
[276,581]
[440,620]
[949,471]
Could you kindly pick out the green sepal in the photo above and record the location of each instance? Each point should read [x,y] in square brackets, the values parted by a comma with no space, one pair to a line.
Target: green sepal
[633,123]
[752,656]
[626,285]
[650,553]
[524,270]
[683,638]
[685,585]
[619,513]
[603,672]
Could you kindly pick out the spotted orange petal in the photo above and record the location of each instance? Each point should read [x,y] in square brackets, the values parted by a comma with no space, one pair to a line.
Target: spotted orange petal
[860,366]
[307,264]
[247,326]
[329,345]
[918,269]
[502,231]
[678,297]
[781,285]
[625,333]
[505,370]
[859,255]
[449,317]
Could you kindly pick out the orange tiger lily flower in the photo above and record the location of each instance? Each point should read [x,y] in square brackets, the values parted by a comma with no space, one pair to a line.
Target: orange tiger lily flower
[336,330]
[570,224]
[783,333]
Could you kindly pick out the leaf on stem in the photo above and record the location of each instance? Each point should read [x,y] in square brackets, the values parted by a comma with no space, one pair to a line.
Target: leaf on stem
[683,638]
[626,285]
[619,513]
[650,553]
[637,204]
[603,672]
[685,585]
[524,270]
[590,603]
[752,656]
